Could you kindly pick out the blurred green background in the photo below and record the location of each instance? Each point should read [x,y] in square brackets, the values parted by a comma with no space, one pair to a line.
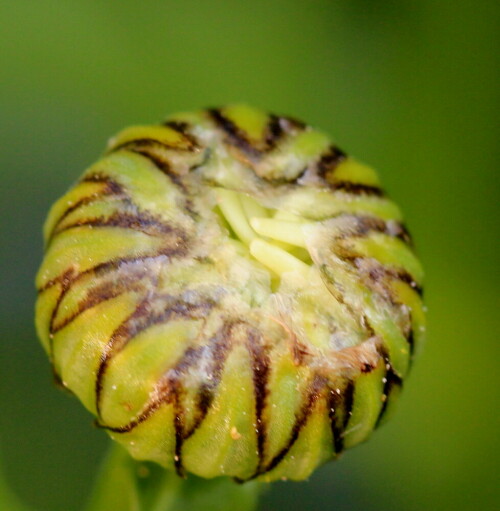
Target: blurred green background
[409,86]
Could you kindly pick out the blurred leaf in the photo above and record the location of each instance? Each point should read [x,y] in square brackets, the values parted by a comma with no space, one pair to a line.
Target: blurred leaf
[127,485]
[8,500]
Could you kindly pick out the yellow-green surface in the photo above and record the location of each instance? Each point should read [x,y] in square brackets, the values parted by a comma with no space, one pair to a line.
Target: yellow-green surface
[408,88]
[162,292]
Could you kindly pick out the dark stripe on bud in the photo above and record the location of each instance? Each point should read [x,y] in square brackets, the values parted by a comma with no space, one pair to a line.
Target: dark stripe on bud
[234,135]
[357,188]
[260,370]
[169,389]
[183,128]
[391,381]
[111,188]
[328,162]
[151,311]
[309,402]
[140,221]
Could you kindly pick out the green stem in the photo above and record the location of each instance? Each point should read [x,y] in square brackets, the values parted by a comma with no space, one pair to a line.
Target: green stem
[127,485]
[8,499]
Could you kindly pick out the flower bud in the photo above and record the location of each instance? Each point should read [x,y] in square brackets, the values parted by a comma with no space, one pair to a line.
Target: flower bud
[229,293]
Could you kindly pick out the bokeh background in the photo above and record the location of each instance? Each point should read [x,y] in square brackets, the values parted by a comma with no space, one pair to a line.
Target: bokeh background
[408,86]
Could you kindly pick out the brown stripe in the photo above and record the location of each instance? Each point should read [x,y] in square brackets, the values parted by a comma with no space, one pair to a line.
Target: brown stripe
[363,225]
[82,202]
[111,188]
[405,277]
[165,391]
[400,231]
[410,338]
[392,380]
[112,288]
[179,421]
[357,188]
[317,385]
[170,389]
[329,161]
[161,163]
[204,400]
[138,221]
[260,373]
[292,124]
[379,273]
[348,399]
[147,149]
[274,132]
[183,128]
[234,135]
[340,400]
[334,403]
[216,352]
[151,311]
[65,280]
[153,143]
[69,277]
[218,346]
[103,268]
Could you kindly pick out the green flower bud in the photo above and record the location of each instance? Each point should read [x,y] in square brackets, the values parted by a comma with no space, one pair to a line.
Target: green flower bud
[230,294]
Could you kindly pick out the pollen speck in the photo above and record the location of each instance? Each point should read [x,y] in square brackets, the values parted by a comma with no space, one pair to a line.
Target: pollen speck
[235,434]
